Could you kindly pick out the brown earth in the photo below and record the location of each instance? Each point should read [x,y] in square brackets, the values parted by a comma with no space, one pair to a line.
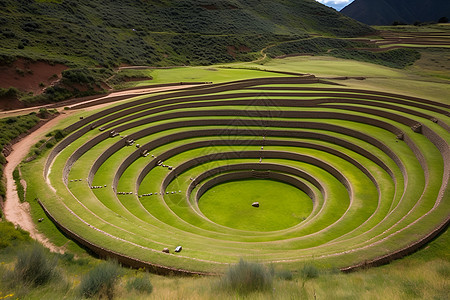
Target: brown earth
[26,75]
[8,103]
[232,50]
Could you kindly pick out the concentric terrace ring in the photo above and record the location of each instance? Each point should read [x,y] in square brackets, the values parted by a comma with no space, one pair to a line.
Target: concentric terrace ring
[128,179]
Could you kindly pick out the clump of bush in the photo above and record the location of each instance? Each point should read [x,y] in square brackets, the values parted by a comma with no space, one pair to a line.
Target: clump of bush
[140,284]
[11,92]
[34,267]
[101,280]
[285,275]
[58,134]
[309,271]
[246,277]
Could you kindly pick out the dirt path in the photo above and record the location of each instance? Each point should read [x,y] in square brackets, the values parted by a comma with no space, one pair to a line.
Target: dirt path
[14,211]
[135,92]
[263,54]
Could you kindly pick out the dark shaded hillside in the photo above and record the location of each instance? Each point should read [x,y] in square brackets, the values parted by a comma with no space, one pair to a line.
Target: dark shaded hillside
[385,12]
[160,32]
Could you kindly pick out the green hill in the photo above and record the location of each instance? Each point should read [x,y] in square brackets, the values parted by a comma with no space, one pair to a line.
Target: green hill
[160,32]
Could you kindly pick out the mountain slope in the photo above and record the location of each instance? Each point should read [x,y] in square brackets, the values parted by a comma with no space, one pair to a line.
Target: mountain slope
[385,12]
[160,32]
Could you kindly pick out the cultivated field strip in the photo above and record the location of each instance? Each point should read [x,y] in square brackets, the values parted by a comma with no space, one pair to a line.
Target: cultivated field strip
[129,179]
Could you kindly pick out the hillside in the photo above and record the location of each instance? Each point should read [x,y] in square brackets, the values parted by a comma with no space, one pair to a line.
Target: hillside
[385,12]
[160,32]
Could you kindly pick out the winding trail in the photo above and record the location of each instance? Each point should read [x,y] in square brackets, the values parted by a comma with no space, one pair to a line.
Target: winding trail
[263,54]
[14,211]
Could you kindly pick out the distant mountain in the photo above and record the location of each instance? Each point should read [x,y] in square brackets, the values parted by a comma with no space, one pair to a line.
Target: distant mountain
[161,32]
[385,12]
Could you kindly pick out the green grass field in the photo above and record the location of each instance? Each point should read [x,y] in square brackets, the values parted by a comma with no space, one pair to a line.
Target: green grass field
[230,204]
[376,77]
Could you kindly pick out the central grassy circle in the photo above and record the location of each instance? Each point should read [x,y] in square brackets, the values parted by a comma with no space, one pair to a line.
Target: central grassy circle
[281,205]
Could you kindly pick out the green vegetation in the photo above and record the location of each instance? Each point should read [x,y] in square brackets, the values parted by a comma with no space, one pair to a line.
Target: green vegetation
[309,271]
[19,186]
[10,236]
[423,274]
[101,281]
[33,267]
[140,284]
[74,83]
[318,45]
[160,32]
[246,277]
[9,93]
[281,205]
[12,127]
[129,75]
[43,145]
[397,58]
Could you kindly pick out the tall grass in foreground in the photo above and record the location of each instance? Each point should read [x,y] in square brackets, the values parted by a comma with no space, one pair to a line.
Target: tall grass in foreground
[140,284]
[34,267]
[101,280]
[246,277]
[309,271]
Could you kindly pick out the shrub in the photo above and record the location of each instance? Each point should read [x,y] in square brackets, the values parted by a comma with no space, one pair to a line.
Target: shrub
[34,266]
[246,277]
[50,144]
[309,271]
[58,134]
[100,280]
[140,284]
[43,113]
[11,92]
[285,275]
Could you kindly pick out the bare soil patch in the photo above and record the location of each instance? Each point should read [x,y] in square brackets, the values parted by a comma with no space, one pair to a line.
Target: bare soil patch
[30,76]
[10,103]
